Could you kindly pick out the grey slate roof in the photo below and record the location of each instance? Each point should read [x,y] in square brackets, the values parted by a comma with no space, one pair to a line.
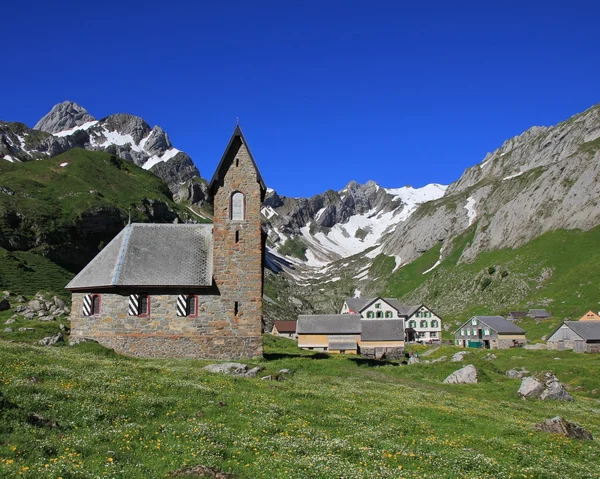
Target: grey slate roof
[588,330]
[499,324]
[147,254]
[328,324]
[538,313]
[383,330]
[357,304]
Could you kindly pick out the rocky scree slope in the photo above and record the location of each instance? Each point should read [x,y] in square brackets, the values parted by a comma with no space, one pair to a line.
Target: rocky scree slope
[69,125]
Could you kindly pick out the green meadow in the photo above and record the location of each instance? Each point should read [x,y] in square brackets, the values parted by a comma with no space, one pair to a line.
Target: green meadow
[86,412]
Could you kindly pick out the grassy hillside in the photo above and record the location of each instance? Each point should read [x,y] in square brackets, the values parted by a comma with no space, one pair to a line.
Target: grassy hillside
[65,209]
[555,271]
[84,412]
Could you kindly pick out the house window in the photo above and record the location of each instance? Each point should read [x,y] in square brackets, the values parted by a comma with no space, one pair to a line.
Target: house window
[462,332]
[370,315]
[95,304]
[236,308]
[378,305]
[423,324]
[388,314]
[434,323]
[418,315]
[412,324]
[237,206]
[486,332]
[379,314]
[474,322]
[468,331]
[144,305]
[192,305]
[433,334]
[237,162]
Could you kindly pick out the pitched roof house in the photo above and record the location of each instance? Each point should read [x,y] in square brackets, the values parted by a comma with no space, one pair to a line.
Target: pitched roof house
[491,332]
[590,316]
[286,329]
[513,315]
[348,333]
[580,336]
[183,290]
[422,323]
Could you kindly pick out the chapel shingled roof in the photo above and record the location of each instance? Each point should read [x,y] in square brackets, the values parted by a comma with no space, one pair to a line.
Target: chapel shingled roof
[152,255]
[285,326]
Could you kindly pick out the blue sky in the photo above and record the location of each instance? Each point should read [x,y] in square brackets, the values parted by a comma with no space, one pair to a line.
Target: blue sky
[326,91]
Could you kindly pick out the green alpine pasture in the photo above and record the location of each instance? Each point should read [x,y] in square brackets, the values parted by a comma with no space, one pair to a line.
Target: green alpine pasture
[86,412]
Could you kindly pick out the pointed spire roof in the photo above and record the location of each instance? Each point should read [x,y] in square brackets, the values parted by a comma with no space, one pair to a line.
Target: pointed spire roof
[237,140]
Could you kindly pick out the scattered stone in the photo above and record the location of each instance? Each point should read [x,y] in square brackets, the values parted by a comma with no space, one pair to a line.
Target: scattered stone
[466,375]
[459,356]
[266,378]
[26,329]
[4,304]
[74,341]
[555,390]
[52,340]
[558,425]
[21,308]
[36,305]
[200,471]
[9,321]
[36,420]
[253,372]
[490,357]
[21,299]
[556,359]
[64,328]
[8,330]
[29,315]
[441,358]
[35,379]
[413,360]
[46,318]
[550,388]
[530,388]
[58,302]
[221,404]
[234,369]
[517,374]
[284,371]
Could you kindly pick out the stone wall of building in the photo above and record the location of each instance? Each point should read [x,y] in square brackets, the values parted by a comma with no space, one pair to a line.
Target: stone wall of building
[238,254]
[162,333]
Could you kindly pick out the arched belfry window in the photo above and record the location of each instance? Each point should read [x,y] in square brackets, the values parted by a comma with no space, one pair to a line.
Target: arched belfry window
[237,206]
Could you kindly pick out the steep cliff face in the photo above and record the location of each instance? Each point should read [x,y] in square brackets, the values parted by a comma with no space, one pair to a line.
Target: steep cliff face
[69,125]
[543,180]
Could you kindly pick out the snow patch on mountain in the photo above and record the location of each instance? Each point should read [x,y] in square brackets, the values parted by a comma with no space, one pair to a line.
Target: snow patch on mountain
[85,126]
[470,207]
[166,156]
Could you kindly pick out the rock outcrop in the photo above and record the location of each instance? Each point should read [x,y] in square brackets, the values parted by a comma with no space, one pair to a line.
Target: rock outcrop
[559,425]
[549,387]
[466,375]
[63,116]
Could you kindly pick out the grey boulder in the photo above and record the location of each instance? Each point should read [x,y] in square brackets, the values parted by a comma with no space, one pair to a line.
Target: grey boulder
[466,375]
[558,425]
[459,356]
[52,340]
[530,388]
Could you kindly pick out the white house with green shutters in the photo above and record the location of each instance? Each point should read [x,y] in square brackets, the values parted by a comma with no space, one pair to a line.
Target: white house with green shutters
[420,322]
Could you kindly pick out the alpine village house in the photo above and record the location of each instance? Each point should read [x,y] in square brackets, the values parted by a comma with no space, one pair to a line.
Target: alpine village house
[183,290]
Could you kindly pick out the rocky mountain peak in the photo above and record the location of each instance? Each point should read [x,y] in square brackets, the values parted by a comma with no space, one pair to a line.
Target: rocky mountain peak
[128,125]
[158,141]
[63,116]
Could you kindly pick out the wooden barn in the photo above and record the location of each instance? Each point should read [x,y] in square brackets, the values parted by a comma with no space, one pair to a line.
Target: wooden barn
[580,336]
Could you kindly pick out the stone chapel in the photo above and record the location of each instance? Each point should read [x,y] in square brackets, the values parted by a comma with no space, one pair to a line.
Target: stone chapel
[183,290]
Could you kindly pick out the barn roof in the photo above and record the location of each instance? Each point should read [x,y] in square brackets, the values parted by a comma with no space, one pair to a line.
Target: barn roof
[285,326]
[328,324]
[538,313]
[152,255]
[383,330]
[588,330]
